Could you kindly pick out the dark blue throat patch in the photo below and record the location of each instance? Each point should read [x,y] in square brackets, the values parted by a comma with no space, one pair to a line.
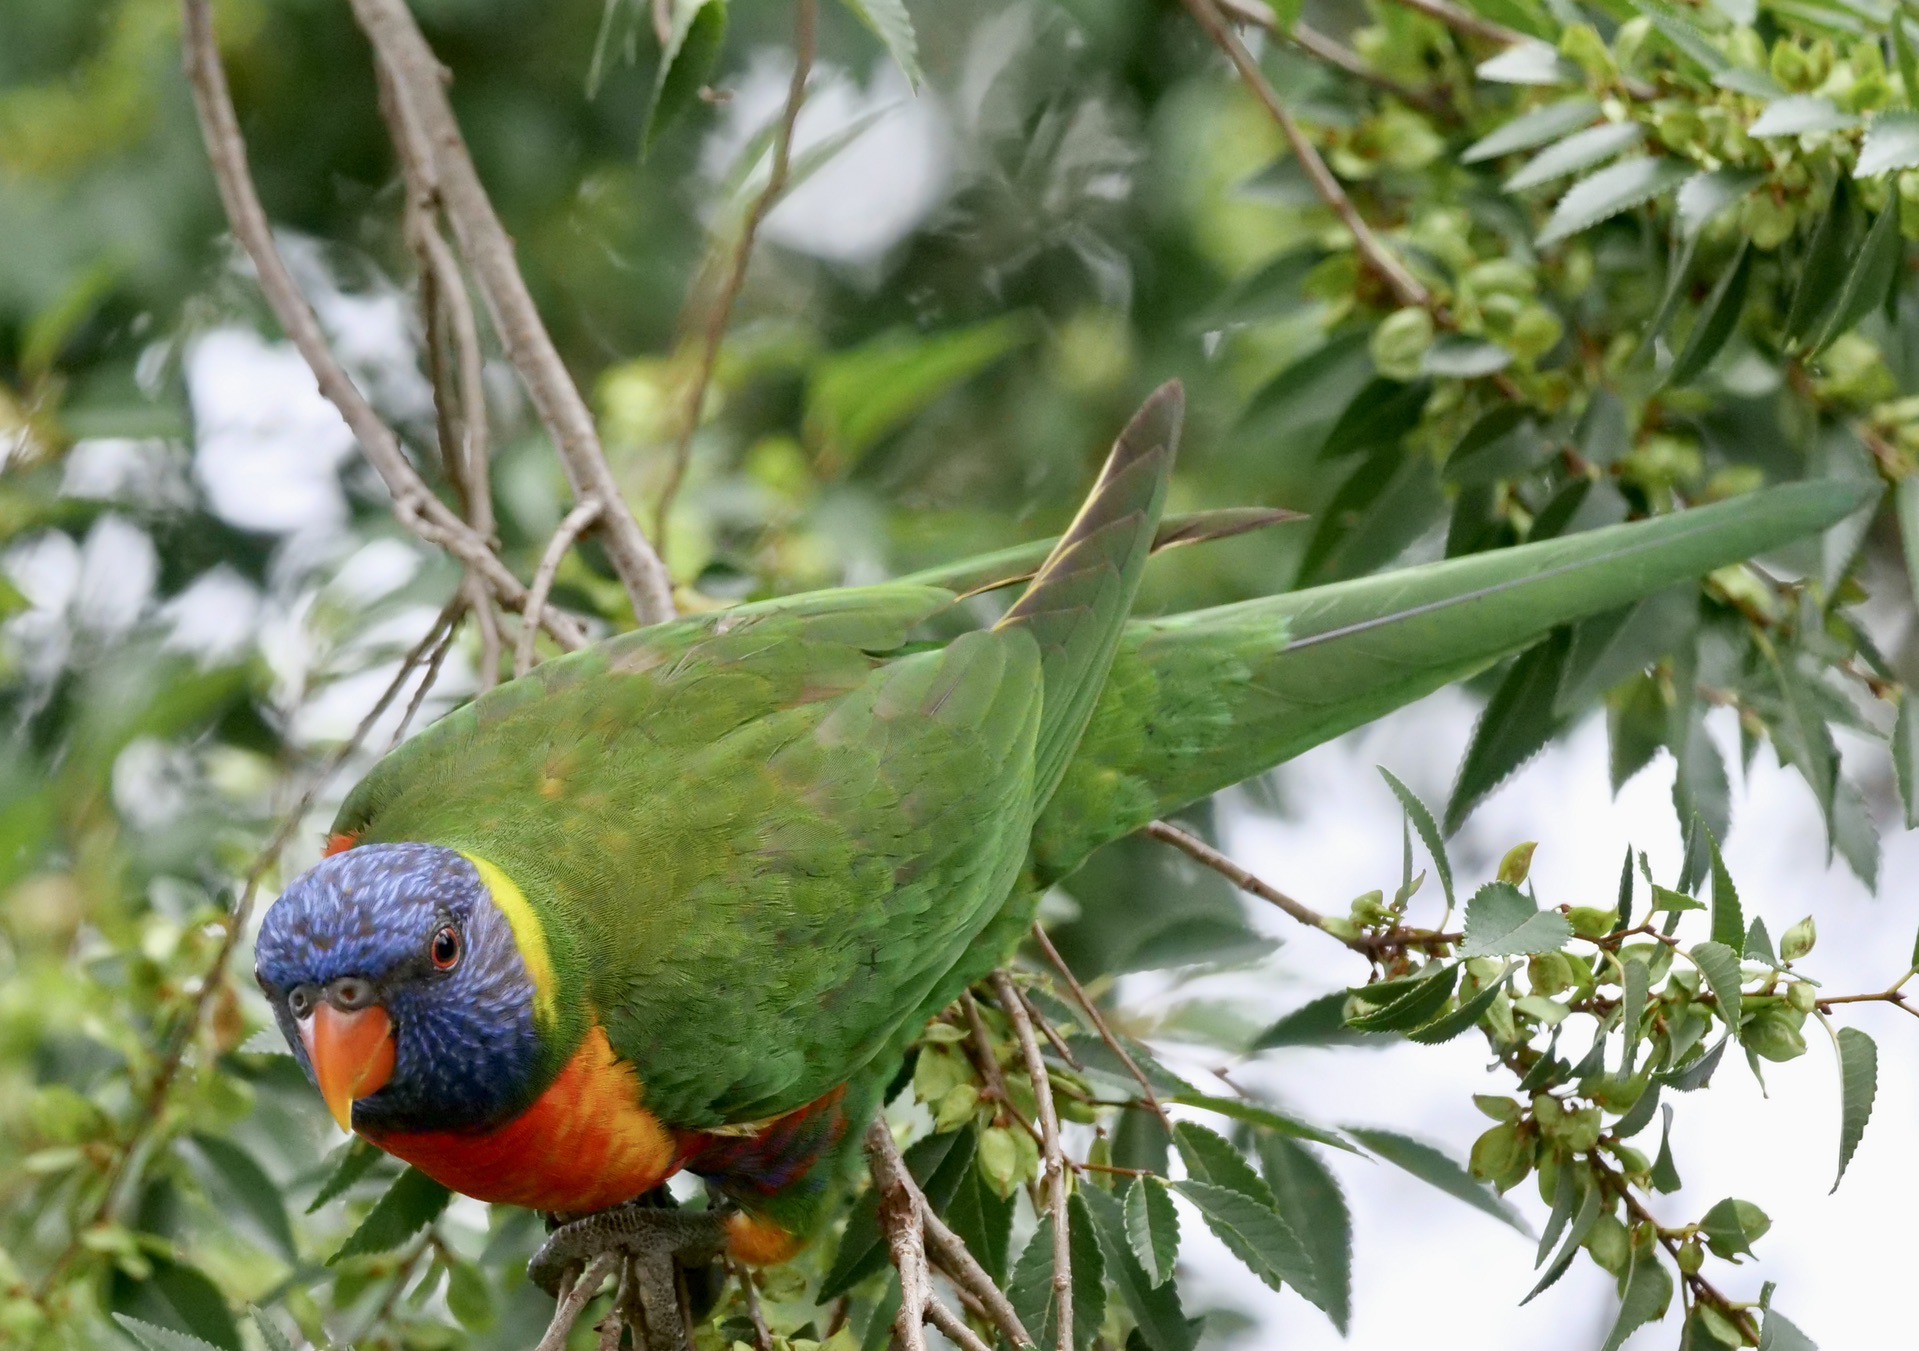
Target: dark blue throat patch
[467,1053]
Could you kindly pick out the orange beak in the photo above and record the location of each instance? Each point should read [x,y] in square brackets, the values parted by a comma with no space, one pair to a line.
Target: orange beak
[352,1055]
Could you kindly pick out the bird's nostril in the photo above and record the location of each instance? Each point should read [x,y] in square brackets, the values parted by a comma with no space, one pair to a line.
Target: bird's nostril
[350,992]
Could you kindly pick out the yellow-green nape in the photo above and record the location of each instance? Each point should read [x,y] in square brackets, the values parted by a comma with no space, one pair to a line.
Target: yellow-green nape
[528,934]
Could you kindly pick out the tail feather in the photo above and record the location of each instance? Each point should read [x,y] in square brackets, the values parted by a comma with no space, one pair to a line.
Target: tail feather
[1079,600]
[1199,702]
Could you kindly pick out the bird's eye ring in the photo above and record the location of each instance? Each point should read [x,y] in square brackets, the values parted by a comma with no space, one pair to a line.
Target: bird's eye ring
[445,948]
[300,1001]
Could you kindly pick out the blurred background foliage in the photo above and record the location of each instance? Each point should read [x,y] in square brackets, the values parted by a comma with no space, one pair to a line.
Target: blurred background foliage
[1654,274]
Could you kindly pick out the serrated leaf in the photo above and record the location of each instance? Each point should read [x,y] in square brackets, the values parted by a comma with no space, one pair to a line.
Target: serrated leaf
[1434,1168]
[1464,358]
[1534,128]
[1161,1322]
[1703,196]
[270,1332]
[1379,417]
[1728,920]
[1720,966]
[468,1296]
[1733,1226]
[1780,1335]
[156,1338]
[1152,1228]
[1311,1202]
[1401,1005]
[176,1295]
[1648,1292]
[1718,318]
[1462,1019]
[1683,36]
[691,51]
[351,1162]
[1609,649]
[1256,1234]
[1800,115]
[1263,1117]
[1589,1211]
[410,1205]
[984,1219]
[1858,1086]
[1428,829]
[1636,984]
[1891,144]
[1031,1290]
[1905,757]
[247,1186]
[1516,724]
[1697,1074]
[1871,276]
[1614,189]
[1822,272]
[1321,1022]
[1753,83]
[1582,150]
[894,26]
[1529,62]
[1502,921]
[1212,1158]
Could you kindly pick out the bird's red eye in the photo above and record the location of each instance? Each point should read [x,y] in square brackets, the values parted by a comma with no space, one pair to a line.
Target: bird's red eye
[446,948]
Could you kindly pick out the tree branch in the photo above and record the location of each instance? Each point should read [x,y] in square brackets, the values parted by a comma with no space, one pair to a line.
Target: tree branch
[424,119]
[1406,288]
[806,24]
[577,520]
[1465,21]
[1201,852]
[1050,1150]
[1316,44]
[953,1326]
[574,1297]
[1091,1010]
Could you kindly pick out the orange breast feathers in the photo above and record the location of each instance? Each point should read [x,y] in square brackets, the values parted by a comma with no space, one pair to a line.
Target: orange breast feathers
[585,1144]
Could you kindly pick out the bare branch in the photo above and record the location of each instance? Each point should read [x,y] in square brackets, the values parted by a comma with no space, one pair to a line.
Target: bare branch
[948,1248]
[1406,288]
[1113,1043]
[1050,1150]
[1316,44]
[1465,21]
[450,623]
[900,1210]
[1201,852]
[424,118]
[953,1326]
[574,1297]
[806,24]
[577,520]
[481,602]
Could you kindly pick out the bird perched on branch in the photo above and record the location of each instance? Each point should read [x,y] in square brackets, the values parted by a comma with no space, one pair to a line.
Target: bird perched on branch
[681,901]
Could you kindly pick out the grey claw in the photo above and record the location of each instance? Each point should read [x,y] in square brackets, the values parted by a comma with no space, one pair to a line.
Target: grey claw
[653,1239]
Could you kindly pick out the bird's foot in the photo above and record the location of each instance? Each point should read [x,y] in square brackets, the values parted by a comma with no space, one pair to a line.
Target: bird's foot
[655,1242]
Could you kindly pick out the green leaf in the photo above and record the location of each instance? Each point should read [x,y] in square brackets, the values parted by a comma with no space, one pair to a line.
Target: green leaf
[1502,444]
[468,1296]
[1263,1117]
[1779,1334]
[1609,649]
[1871,276]
[1720,965]
[1502,921]
[1698,1073]
[1379,417]
[1152,1228]
[1529,62]
[1858,1086]
[1581,150]
[1716,322]
[1156,1310]
[1256,1234]
[410,1205]
[1728,920]
[1684,36]
[1517,723]
[984,1219]
[1800,115]
[156,1338]
[270,1332]
[1435,1169]
[938,1163]
[889,19]
[1401,1005]
[1823,272]
[1648,1292]
[692,50]
[1322,1022]
[1908,63]
[248,1187]
[1892,141]
[1428,829]
[1537,127]
[351,1161]
[1636,984]
[1464,358]
[1462,1019]
[1905,757]
[1589,1212]
[1212,1158]
[1732,1226]
[1031,1291]
[1704,196]
[176,1296]
[1612,190]
[1311,1202]
[857,398]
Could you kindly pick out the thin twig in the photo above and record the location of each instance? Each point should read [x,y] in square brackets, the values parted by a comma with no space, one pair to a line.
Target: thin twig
[574,1297]
[480,600]
[806,24]
[450,622]
[762,1334]
[953,1326]
[899,1211]
[949,1250]
[414,504]
[1113,1043]
[1315,43]
[1464,21]
[1405,287]
[1201,852]
[983,1044]
[1051,1033]
[576,521]
[424,116]
[1050,1150]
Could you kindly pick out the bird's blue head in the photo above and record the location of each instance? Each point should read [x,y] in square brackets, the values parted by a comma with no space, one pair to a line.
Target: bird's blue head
[411,982]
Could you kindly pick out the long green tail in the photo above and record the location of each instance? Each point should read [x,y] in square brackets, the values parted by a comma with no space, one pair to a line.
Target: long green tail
[1198,702]
[1078,602]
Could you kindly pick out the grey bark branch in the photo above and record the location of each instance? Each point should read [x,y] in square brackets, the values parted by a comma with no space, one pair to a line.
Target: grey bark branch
[1015,1010]
[425,118]
[575,524]
[574,1299]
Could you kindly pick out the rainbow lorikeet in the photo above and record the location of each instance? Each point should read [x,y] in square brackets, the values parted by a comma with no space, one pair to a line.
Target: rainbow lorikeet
[682,900]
